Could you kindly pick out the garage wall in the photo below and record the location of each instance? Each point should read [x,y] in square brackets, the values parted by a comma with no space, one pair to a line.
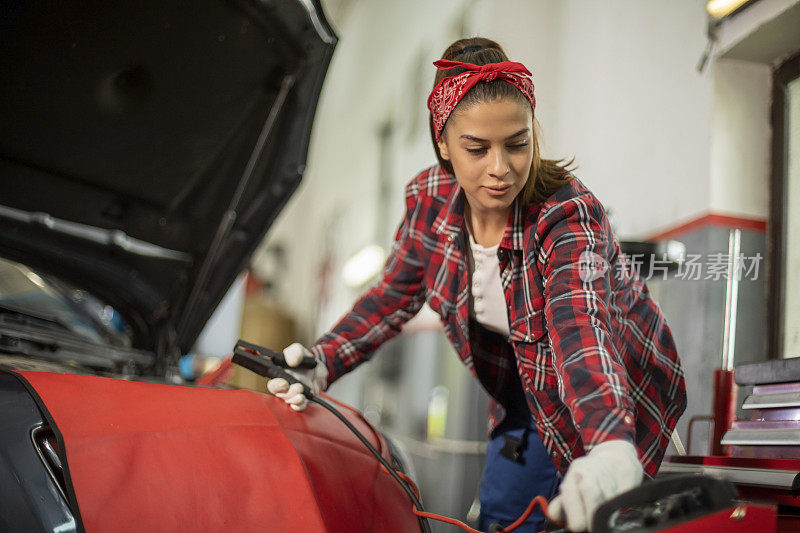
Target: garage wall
[380,75]
[740,144]
[616,87]
[668,148]
[619,89]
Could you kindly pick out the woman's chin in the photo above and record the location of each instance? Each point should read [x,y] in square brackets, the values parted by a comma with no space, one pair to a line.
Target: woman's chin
[495,202]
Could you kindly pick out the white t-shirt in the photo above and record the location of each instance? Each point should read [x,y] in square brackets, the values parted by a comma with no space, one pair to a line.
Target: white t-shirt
[487,302]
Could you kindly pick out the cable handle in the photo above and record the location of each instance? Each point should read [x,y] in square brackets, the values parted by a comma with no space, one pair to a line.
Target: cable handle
[307,363]
[263,366]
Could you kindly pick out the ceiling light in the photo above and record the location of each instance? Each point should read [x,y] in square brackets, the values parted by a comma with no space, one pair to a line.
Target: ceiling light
[722,8]
[363,265]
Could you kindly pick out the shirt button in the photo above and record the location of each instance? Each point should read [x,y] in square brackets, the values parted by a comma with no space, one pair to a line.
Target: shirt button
[450,238]
[628,419]
[554,454]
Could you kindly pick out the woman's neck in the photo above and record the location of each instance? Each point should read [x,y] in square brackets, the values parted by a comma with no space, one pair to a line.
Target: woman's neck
[486,228]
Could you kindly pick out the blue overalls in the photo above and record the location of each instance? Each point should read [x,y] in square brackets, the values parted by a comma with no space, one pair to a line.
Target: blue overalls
[517,469]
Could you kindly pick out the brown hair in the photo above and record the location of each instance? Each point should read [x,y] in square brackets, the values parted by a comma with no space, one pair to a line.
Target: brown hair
[546,175]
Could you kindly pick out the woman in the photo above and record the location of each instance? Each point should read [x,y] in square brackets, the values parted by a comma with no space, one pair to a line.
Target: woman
[517,257]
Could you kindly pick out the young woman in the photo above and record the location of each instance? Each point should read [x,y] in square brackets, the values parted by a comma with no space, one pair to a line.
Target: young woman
[518,258]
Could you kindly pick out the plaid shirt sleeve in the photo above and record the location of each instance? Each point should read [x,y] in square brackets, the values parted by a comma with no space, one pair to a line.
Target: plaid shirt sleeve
[379,314]
[592,382]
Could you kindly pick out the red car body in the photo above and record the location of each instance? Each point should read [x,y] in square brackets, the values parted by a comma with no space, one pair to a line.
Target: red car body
[153,457]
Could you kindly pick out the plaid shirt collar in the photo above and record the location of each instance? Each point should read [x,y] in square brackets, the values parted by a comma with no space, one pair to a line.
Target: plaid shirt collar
[451,219]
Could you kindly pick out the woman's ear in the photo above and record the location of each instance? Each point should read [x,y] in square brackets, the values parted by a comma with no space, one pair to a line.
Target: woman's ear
[443,149]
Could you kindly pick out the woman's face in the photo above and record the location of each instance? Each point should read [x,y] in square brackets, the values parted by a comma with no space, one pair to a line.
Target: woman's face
[490,147]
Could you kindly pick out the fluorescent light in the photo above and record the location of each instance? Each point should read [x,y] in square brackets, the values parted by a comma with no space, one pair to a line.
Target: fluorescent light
[722,8]
[363,265]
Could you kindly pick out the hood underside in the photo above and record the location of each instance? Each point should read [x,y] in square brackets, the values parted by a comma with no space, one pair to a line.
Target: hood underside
[146,147]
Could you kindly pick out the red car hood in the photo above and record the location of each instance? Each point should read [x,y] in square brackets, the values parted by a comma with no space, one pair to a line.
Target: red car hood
[151,457]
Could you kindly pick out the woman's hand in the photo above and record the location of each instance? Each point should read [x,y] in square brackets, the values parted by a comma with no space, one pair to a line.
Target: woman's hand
[315,379]
[610,468]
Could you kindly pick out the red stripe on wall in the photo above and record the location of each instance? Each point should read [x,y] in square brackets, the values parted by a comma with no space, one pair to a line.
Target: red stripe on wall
[712,219]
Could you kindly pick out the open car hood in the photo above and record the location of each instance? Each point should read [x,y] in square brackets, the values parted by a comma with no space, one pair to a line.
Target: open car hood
[146,147]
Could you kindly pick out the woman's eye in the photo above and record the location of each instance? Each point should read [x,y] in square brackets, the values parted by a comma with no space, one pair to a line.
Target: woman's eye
[511,147]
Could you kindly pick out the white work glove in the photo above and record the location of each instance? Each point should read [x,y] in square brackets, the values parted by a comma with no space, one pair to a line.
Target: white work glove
[608,470]
[315,379]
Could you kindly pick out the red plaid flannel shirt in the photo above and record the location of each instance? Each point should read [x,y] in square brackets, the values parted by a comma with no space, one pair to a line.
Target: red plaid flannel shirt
[594,353]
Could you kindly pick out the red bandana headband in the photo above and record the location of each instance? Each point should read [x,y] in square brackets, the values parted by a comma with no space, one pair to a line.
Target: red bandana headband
[449,92]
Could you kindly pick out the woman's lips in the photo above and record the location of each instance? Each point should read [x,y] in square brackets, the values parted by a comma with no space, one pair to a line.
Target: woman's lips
[497,191]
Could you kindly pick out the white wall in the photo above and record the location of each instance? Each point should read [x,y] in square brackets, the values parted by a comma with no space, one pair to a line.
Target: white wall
[740,141]
[617,86]
[381,71]
[221,332]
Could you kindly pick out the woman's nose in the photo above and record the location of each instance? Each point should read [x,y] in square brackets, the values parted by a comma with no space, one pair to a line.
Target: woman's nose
[499,164]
